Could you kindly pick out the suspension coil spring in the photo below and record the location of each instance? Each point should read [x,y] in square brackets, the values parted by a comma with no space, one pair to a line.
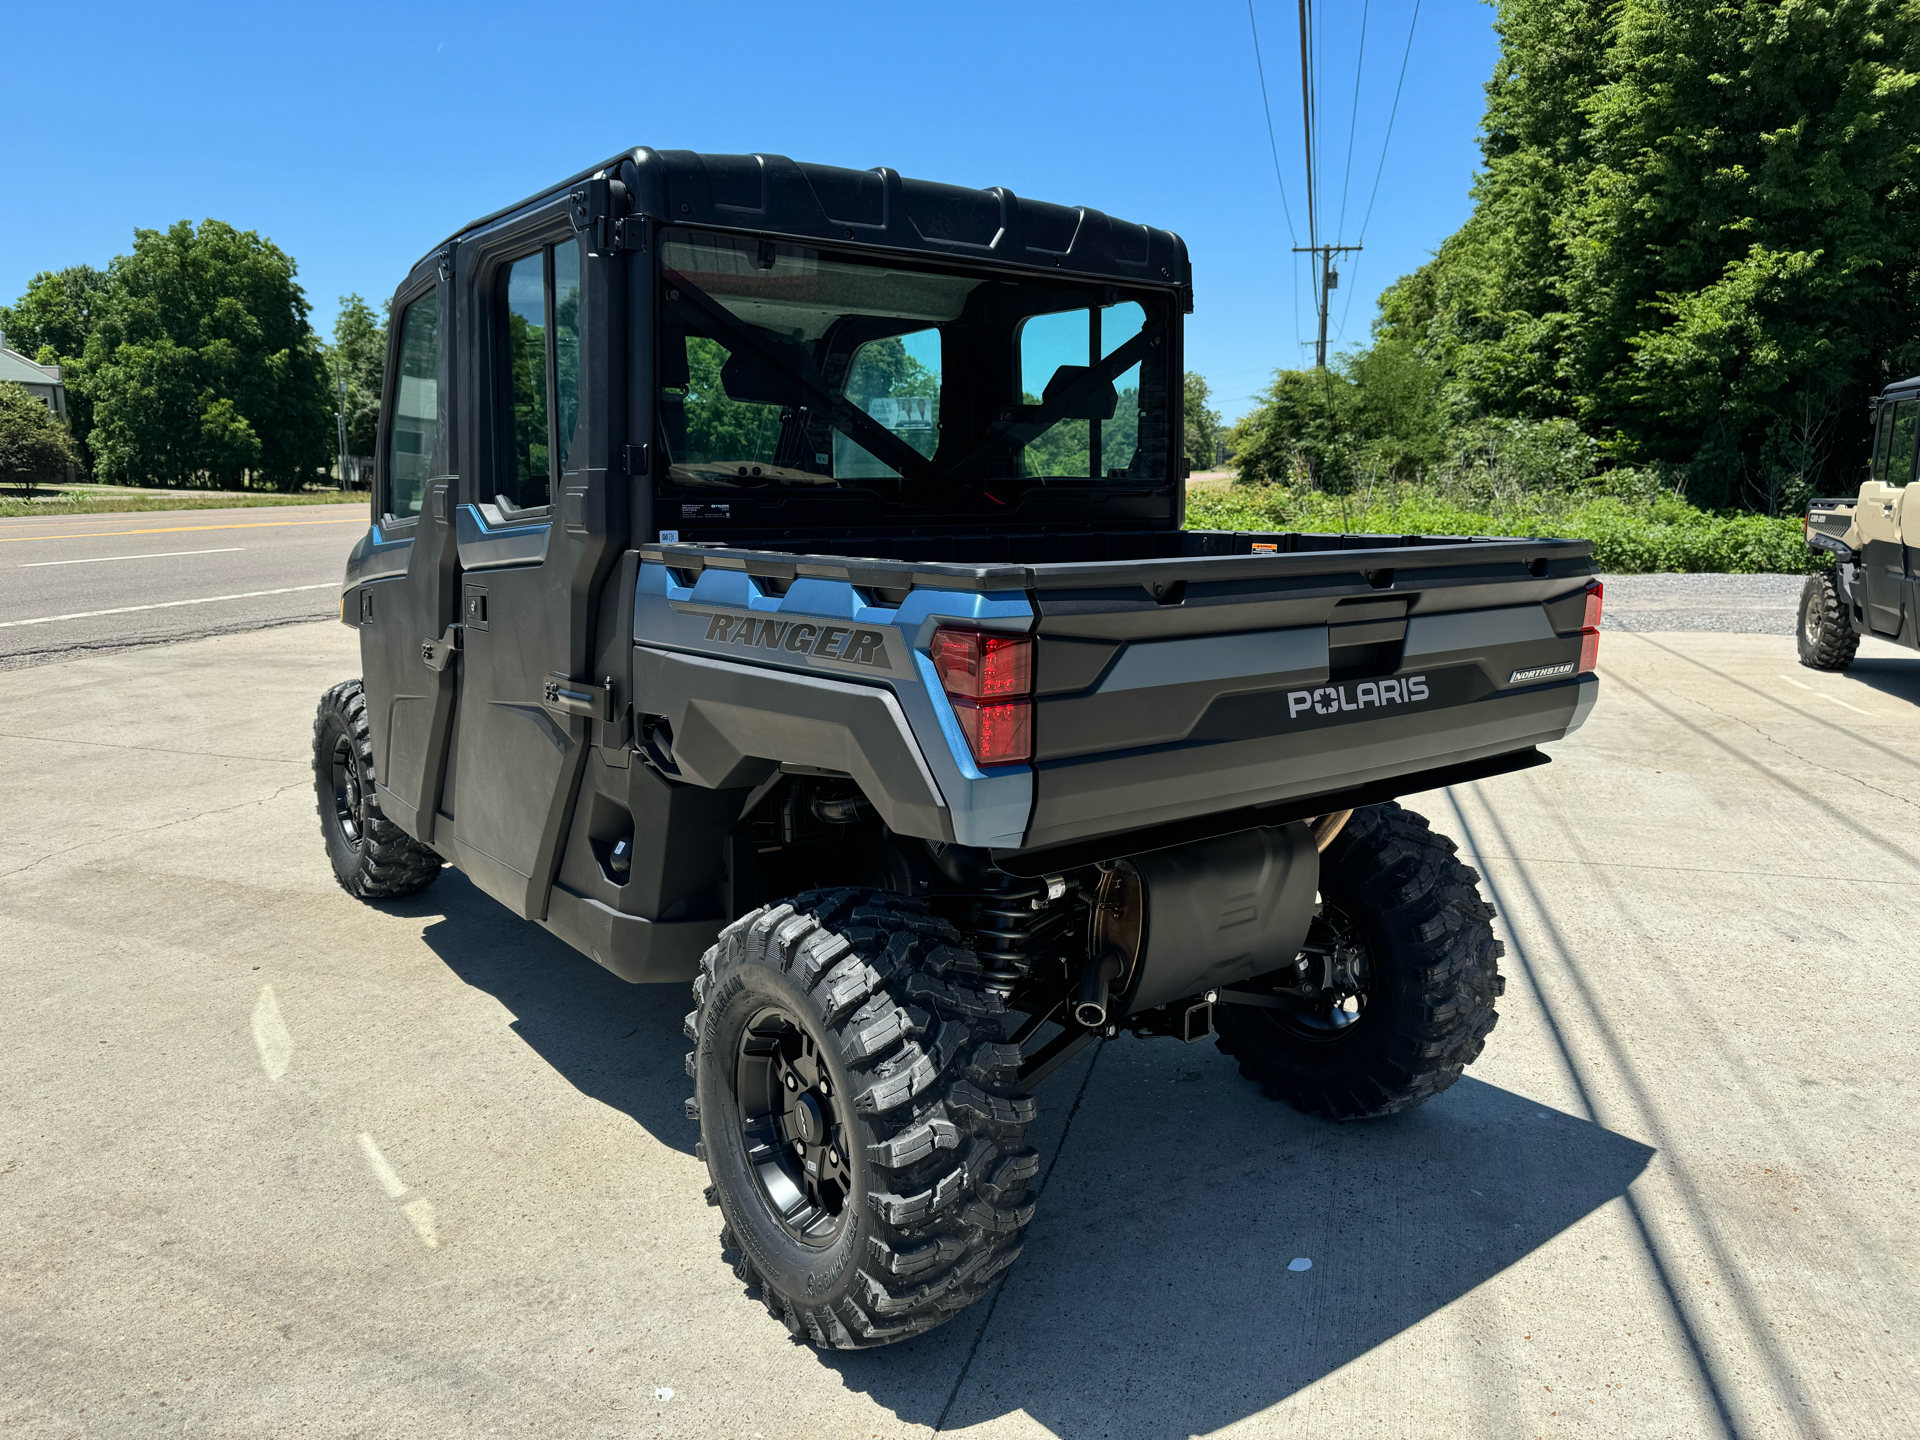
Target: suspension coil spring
[1016,928]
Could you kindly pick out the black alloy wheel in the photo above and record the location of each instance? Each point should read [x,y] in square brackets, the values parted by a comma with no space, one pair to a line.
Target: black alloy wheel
[1327,993]
[791,1128]
[349,798]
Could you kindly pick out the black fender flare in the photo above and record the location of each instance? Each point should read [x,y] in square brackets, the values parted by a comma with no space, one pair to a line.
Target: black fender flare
[734,724]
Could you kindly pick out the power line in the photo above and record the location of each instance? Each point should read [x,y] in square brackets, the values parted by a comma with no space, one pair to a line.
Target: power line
[1294,280]
[1325,278]
[1273,149]
[1353,114]
[1348,304]
[1392,112]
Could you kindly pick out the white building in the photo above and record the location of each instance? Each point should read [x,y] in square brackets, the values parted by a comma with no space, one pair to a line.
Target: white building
[42,380]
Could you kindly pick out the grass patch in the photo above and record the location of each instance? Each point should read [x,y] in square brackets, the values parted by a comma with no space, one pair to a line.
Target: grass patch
[1630,536]
[106,502]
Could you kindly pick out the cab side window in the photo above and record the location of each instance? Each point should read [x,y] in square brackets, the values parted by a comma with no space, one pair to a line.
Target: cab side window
[1100,438]
[539,356]
[1899,465]
[415,430]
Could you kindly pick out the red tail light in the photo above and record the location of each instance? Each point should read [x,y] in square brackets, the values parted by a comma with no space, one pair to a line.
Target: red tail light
[1591,628]
[988,679]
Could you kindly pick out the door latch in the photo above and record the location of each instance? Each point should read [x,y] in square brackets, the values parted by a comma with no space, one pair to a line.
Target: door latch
[436,653]
[582,698]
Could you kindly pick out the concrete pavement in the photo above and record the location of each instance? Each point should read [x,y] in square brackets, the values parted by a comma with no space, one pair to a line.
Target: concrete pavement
[71,584]
[277,1162]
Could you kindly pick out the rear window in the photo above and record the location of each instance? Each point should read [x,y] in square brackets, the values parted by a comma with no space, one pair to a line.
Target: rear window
[810,379]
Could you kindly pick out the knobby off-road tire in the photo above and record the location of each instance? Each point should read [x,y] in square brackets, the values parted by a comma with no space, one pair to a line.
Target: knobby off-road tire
[1822,634]
[916,1116]
[1432,971]
[372,857]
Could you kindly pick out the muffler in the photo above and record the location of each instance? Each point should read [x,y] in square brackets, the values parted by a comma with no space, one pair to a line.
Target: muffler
[1213,913]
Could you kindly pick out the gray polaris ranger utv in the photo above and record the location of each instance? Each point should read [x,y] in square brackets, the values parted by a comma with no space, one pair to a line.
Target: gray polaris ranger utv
[776,580]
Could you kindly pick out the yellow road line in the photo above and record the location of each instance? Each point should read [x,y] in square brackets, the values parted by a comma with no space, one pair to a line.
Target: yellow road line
[170,529]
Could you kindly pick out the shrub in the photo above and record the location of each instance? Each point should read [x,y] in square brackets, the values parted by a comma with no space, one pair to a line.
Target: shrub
[1630,537]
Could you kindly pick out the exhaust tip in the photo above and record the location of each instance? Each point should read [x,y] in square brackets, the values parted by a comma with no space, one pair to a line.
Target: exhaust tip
[1090,1014]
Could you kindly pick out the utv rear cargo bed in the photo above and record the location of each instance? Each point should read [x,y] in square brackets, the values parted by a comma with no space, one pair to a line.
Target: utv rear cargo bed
[1170,686]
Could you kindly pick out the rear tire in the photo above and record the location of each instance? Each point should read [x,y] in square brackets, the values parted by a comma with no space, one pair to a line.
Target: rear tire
[372,857]
[859,1116]
[1415,929]
[1823,635]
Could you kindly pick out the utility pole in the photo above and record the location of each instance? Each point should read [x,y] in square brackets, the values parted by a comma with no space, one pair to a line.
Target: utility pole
[340,422]
[1326,277]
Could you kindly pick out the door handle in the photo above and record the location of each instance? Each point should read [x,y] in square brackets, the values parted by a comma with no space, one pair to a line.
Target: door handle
[572,697]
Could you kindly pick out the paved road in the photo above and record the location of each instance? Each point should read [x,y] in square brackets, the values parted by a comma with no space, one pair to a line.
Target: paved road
[277,1162]
[77,583]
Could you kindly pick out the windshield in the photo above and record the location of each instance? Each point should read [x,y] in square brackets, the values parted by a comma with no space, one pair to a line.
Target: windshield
[785,369]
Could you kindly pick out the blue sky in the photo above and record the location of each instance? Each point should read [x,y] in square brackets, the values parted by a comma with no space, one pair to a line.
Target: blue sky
[356,136]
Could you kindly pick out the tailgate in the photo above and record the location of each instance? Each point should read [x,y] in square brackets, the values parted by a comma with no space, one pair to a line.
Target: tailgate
[1180,690]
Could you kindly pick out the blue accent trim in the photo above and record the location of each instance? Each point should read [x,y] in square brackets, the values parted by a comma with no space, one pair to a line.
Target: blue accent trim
[378,556]
[498,546]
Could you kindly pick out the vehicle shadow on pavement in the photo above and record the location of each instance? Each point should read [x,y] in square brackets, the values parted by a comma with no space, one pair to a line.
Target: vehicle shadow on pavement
[1890,675]
[619,1043]
[1155,1295]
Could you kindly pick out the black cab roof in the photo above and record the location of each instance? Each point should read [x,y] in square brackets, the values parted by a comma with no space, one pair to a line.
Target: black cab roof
[880,208]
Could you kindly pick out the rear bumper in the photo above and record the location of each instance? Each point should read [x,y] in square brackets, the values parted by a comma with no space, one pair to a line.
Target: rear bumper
[1087,796]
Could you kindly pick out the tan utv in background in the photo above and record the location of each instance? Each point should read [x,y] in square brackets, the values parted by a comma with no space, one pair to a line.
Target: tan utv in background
[1872,537]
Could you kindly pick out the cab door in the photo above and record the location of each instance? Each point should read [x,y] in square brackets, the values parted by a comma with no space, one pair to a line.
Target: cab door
[1886,566]
[537,531]
[407,603]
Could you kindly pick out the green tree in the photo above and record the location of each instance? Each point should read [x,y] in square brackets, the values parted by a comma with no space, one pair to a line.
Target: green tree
[1374,413]
[1302,429]
[34,445]
[1201,427]
[1400,415]
[358,356]
[51,322]
[720,428]
[1694,234]
[202,366]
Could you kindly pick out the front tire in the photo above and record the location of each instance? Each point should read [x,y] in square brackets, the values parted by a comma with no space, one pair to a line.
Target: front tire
[1395,989]
[860,1117]
[371,856]
[1822,635]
